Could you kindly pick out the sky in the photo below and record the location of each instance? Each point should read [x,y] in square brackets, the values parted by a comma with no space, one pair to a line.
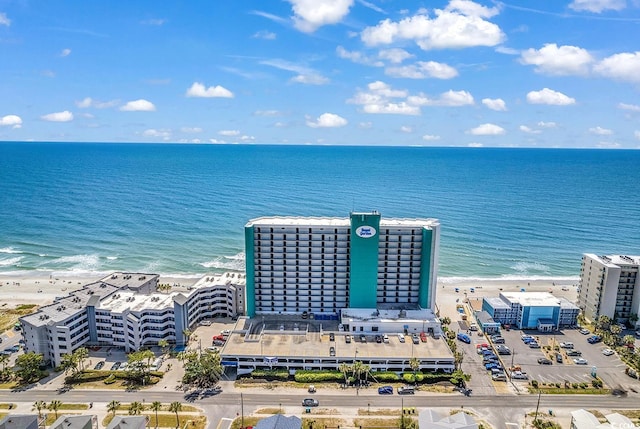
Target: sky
[519,73]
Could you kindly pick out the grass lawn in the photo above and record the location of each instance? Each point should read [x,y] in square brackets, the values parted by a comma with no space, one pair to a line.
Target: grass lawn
[9,316]
[51,416]
[165,407]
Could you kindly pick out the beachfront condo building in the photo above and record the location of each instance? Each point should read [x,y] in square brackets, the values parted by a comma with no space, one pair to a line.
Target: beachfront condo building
[531,310]
[321,265]
[610,286]
[127,311]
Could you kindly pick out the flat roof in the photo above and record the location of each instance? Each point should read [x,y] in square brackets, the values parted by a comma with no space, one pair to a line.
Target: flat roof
[130,300]
[337,221]
[532,299]
[615,260]
[497,302]
[368,314]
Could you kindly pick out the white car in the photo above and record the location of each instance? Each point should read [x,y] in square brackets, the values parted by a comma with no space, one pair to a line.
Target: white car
[580,361]
[401,338]
[205,323]
[607,352]
[519,375]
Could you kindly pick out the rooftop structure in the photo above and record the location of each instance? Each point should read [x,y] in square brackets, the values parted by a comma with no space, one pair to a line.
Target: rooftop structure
[432,419]
[321,265]
[609,286]
[128,422]
[279,421]
[19,421]
[75,422]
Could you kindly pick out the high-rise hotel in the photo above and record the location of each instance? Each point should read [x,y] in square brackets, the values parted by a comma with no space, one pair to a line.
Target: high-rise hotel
[321,265]
[610,286]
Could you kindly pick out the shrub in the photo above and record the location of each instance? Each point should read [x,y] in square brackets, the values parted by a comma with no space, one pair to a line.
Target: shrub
[110,379]
[386,376]
[597,383]
[583,385]
[574,385]
[534,383]
[310,376]
[281,374]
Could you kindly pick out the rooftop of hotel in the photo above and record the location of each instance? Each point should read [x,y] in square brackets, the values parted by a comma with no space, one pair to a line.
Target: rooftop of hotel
[387,315]
[532,299]
[132,301]
[336,221]
[615,260]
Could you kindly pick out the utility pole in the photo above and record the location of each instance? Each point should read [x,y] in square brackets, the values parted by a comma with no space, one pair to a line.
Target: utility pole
[241,412]
[537,407]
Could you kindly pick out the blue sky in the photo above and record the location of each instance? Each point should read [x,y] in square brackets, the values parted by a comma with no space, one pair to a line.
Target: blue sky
[525,73]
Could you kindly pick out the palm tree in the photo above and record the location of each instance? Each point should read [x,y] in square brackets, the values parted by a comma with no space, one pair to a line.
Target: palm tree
[136,408]
[164,344]
[54,406]
[174,408]
[156,406]
[357,370]
[603,322]
[414,363]
[39,405]
[82,353]
[628,340]
[113,406]
[344,368]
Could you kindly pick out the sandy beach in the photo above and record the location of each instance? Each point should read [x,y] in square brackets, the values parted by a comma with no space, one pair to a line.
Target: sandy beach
[43,289]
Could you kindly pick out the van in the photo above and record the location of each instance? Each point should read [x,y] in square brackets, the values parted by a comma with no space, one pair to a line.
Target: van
[406,390]
[473,327]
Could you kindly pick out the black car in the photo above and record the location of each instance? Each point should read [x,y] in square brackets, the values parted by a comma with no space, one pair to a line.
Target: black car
[378,338]
[116,366]
[544,361]
[99,365]
[332,337]
[558,358]
[310,402]
[574,353]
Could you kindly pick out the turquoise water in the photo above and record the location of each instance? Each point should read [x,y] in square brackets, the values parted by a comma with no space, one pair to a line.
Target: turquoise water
[180,209]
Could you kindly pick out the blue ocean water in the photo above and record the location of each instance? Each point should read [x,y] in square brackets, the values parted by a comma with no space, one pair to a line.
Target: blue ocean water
[180,209]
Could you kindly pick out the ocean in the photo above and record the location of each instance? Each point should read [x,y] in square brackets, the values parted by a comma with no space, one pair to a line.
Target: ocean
[176,209]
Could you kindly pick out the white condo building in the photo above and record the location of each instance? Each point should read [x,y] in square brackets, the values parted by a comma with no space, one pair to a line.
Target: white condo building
[610,286]
[125,310]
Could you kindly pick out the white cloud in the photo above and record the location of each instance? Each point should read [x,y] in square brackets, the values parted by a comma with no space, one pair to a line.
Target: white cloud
[429,137]
[309,15]
[597,6]
[631,107]
[365,125]
[461,24]
[543,124]
[454,99]
[268,113]
[637,134]
[507,51]
[624,66]
[528,130]
[64,116]
[600,131]
[4,20]
[549,96]
[13,121]
[310,79]
[561,61]
[154,21]
[191,130]
[90,102]
[406,129]
[608,145]
[422,70]
[475,145]
[265,35]
[358,57]
[327,120]
[246,138]
[65,52]
[140,105]
[162,133]
[496,104]
[198,90]
[229,133]
[394,55]
[487,130]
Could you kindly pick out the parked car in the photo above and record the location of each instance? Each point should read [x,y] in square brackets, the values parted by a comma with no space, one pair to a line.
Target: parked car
[310,402]
[385,339]
[574,353]
[499,377]
[332,337]
[559,358]
[607,352]
[363,338]
[116,366]
[519,375]
[503,350]
[544,361]
[594,339]
[332,351]
[385,390]
[423,337]
[99,365]
[534,345]
[585,331]
[378,338]
[580,361]
[406,390]
[347,339]
[497,339]
[415,339]
[567,345]
[401,338]
[205,323]
[464,338]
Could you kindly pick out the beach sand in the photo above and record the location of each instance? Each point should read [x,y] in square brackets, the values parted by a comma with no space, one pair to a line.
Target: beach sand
[43,289]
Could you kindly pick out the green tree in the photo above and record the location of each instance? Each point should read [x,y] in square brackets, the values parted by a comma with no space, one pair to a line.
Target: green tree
[414,363]
[5,373]
[175,407]
[81,354]
[136,408]
[445,320]
[28,367]
[164,345]
[202,371]
[344,369]
[156,406]
[69,363]
[603,322]
[357,369]
[54,406]
[113,406]
[39,406]
[138,364]
[628,340]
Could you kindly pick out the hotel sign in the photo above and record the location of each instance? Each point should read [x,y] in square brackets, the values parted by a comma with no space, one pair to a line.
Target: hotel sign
[365,231]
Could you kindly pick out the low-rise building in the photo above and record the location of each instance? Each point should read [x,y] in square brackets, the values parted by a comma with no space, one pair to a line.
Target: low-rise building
[126,310]
[531,310]
[432,419]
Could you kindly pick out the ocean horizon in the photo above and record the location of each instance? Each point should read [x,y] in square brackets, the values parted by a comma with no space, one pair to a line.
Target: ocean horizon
[179,209]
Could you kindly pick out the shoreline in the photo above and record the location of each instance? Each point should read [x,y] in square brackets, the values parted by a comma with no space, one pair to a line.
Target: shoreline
[42,288]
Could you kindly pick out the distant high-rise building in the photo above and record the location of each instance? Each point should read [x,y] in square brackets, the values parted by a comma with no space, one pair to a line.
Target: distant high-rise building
[610,286]
[321,265]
